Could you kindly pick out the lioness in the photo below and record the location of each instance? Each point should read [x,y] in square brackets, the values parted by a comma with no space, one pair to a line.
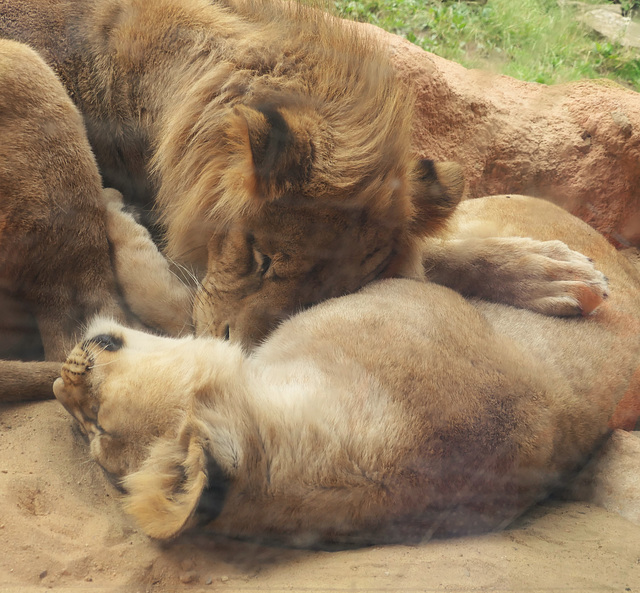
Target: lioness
[268,146]
[401,411]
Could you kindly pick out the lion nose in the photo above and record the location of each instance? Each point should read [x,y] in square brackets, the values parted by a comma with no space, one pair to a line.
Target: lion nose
[107,342]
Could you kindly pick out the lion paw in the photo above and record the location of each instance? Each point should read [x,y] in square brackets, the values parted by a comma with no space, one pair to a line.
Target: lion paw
[543,276]
[112,197]
[155,295]
[74,370]
[559,281]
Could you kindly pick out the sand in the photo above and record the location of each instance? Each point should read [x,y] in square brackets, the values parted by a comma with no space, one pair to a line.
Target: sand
[62,529]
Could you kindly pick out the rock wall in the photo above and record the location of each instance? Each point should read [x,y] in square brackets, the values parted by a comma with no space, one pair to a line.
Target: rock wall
[576,144]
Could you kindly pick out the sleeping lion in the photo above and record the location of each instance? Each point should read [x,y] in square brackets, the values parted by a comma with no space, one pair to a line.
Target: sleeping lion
[267,146]
[397,413]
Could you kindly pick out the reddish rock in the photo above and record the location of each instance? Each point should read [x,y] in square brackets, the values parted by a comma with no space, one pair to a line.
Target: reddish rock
[576,144]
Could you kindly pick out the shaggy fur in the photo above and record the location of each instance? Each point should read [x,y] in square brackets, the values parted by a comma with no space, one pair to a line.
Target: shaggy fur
[253,127]
[399,412]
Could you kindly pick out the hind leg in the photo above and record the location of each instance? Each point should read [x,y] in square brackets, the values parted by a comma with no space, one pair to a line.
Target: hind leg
[542,276]
[54,252]
[523,252]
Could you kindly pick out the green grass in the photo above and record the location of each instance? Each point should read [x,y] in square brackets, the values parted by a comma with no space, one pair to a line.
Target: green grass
[534,40]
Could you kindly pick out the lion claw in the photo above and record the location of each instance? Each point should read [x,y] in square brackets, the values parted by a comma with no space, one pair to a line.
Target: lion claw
[561,281]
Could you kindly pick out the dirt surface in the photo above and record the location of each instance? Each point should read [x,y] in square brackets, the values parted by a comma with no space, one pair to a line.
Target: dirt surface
[61,528]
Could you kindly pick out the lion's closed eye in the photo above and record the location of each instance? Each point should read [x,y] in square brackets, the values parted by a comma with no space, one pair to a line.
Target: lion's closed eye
[263,262]
[110,343]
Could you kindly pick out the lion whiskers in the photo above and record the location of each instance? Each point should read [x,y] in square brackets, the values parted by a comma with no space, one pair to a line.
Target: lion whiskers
[200,300]
[102,364]
[186,270]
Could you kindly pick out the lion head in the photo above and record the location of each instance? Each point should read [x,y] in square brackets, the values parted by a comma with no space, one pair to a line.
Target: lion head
[124,391]
[286,173]
[296,252]
[302,240]
[133,395]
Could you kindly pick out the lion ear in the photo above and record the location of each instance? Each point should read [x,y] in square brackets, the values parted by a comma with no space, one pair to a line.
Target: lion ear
[439,189]
[164,493]
[274,147]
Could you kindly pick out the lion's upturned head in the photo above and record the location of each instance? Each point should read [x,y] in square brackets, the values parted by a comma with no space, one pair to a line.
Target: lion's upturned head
[286,174]
[134,395]
[126,389]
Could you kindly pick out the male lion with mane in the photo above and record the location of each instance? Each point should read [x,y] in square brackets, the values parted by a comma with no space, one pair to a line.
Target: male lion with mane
[400,412]
[267,145]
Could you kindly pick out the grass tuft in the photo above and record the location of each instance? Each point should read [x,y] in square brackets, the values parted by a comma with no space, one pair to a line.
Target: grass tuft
[534,40]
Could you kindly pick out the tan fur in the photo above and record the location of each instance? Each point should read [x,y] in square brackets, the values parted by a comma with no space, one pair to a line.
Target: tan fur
[152,289]
[55,270]
[402,411]
[269,142]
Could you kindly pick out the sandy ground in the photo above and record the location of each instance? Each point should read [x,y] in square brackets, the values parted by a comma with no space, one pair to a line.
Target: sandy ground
[61,528]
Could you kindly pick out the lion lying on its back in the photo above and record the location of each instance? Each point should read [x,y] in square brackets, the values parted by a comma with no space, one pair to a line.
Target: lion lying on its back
[398,412]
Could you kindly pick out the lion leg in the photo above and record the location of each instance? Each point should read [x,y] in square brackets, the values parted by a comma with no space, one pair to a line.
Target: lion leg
[542,276]
[152,291]
[54,252]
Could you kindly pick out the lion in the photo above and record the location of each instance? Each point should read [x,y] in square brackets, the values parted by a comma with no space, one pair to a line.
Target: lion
[397,413]
[267,147]
[57,261]
[55,265]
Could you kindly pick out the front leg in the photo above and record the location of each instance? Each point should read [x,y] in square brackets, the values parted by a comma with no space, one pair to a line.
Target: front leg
[150,288]
[543,276]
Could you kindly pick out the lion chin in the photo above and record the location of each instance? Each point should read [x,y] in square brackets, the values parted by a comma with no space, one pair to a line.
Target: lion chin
[397,413]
